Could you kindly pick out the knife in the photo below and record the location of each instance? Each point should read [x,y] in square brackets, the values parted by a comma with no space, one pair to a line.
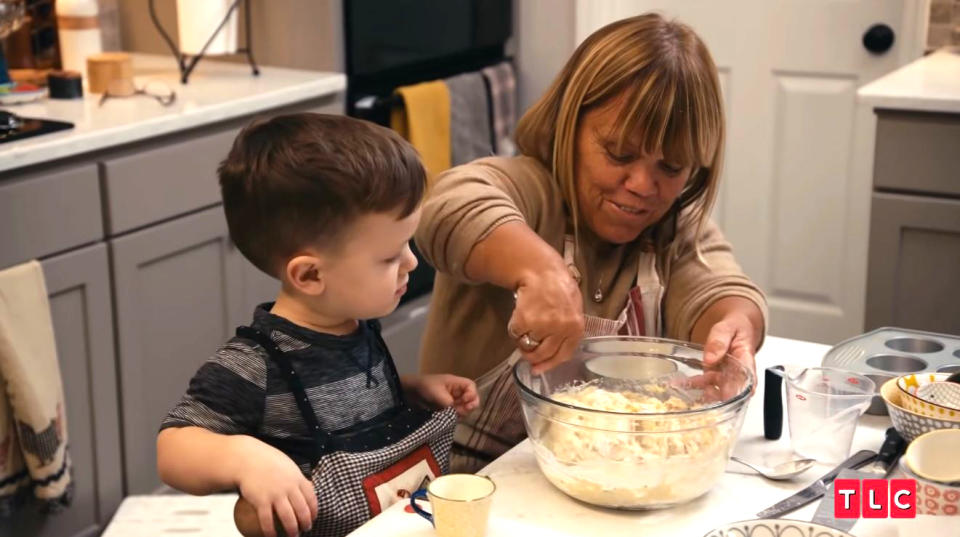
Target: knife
[817,488]
[893,447]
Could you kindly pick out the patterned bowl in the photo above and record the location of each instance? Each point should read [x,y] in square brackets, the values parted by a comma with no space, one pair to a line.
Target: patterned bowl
[909,424]
[933,498]
[911,386]
[945,394]
[775,527]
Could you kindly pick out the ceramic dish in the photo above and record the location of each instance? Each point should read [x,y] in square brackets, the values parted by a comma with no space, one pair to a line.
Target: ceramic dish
[911,385]
[775,527]
[945,394]
[933,456]
[933,498]
[909,424]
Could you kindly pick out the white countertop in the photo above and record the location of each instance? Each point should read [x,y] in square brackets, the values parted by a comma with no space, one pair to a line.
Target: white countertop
[526,504]
[930,84]
[216,91]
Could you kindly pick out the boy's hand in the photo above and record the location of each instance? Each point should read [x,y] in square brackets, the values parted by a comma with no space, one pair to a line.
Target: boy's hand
[272,483]
[443,391]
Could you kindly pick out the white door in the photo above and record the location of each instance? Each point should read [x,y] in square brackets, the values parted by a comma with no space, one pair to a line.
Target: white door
[796,182]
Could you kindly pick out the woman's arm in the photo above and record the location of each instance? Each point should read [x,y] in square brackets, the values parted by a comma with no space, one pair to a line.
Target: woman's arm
[549,306]
[711,301]
[482,223]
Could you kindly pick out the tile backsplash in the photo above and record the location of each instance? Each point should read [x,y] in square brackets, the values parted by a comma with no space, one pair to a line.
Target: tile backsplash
[944,23]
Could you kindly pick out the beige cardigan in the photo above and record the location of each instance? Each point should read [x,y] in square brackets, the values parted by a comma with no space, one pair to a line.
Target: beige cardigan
[466,329]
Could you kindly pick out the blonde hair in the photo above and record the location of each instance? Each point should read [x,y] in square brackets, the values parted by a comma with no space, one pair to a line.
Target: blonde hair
[671,98]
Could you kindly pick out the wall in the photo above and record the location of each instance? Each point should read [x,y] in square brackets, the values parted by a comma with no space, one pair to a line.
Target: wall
[944,23]
[544,31]
[304,34]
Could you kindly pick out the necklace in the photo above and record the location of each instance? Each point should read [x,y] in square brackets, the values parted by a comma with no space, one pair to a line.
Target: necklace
[598,294]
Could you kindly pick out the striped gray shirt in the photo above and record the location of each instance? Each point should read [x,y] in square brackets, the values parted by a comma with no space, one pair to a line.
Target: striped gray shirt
[239,390]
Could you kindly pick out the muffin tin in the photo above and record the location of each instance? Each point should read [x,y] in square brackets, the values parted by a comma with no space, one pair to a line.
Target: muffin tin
[887,352]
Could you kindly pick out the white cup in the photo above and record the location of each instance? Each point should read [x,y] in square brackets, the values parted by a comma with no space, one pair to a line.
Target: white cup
[460,504]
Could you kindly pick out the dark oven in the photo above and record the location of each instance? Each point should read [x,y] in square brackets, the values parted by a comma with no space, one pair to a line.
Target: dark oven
[393,43]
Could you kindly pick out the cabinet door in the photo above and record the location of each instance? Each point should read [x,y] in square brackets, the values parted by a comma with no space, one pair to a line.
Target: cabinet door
[258,287]
[176,285]
[78,284]
[914,262]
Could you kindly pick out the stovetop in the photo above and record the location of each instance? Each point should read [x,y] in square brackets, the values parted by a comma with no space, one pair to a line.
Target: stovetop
[14,127]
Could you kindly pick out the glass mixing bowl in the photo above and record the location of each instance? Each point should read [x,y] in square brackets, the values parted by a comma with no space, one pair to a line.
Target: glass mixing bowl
[634,422]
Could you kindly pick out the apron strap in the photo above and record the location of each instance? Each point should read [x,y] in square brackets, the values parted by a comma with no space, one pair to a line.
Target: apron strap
[321,438]
[651,291]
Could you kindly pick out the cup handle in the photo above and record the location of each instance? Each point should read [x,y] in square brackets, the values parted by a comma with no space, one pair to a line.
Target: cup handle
[420,494]
[772,403]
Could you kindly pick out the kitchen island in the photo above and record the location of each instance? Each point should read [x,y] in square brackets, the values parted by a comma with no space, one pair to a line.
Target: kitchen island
[526,504]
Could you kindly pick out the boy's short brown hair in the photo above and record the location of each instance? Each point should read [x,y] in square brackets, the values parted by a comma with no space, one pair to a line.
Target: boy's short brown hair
[298,180]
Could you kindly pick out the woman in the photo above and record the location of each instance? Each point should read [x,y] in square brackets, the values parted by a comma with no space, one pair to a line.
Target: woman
[600,227]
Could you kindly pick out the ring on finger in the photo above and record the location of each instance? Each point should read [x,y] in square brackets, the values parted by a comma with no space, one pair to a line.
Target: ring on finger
[528,343]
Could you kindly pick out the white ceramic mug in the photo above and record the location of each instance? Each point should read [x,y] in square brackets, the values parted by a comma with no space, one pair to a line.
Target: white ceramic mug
[460,504]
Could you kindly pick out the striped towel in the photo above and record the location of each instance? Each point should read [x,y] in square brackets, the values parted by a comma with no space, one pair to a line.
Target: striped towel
[470,136]
[33,423]
[503,97]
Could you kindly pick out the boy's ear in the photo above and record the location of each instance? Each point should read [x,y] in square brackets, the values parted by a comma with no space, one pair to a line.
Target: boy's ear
[305,274]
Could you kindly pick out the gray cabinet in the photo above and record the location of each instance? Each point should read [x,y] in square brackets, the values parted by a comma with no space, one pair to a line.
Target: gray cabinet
[914,271]
[258,288]
[162,179]
[79,289]
[48,211]
[176,287]
[913,278]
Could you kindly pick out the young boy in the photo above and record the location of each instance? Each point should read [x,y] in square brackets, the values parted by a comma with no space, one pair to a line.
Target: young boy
[327,204]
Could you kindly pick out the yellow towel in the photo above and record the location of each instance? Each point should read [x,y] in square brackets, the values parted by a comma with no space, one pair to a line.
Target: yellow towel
[33,421]
[424,121]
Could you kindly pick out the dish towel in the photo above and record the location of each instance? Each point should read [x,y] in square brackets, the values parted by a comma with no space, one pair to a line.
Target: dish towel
[33,422]
[503,97]
[470,136]
[424,121]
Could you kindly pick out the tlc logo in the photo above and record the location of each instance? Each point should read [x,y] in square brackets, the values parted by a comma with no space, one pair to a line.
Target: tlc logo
[875,498]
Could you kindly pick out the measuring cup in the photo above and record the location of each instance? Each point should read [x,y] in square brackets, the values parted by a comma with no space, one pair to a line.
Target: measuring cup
[823,405]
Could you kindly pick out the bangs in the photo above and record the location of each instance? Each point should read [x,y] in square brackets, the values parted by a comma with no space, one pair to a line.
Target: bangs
[664,110]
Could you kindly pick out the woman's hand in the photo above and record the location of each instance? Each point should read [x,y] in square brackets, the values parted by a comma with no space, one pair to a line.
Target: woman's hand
[731,325]
[272,483]
[549,311]
[442,391]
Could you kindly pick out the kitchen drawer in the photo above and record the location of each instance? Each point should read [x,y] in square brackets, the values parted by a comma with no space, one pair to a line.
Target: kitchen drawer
[918,152]
[49,211]
[164,179]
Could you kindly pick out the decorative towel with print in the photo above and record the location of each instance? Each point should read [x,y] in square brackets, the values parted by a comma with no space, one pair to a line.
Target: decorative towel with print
[33,422]
[424,121]
[503,97]
[470,137]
